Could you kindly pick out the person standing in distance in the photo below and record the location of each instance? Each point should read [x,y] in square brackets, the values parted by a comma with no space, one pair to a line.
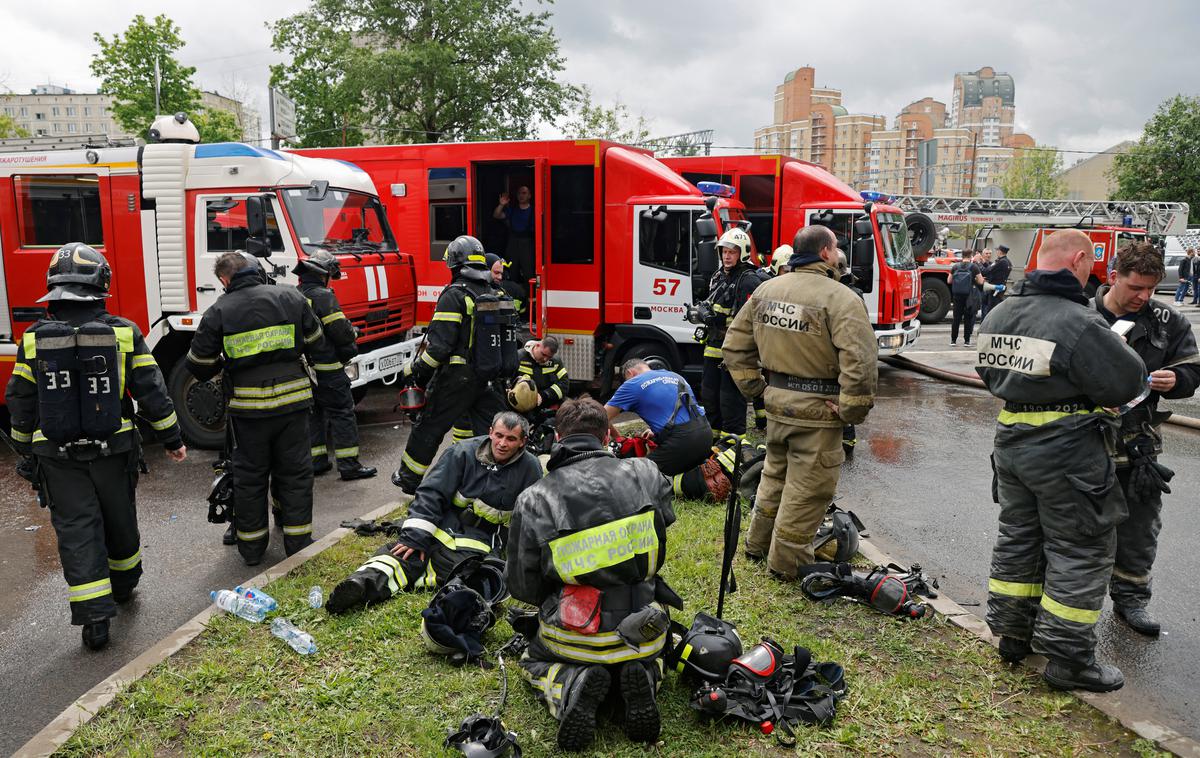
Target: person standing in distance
[804,342]
[69,399]
[1058,367]
[965,277]
[1163,338]
[997,274]
[256,334]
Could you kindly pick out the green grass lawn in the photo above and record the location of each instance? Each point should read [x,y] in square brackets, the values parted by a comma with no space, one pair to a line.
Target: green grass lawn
[917,688]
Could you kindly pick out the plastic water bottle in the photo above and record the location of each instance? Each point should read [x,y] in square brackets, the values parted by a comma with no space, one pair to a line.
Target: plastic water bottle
[316,597]
[1137,400]
[301,642]
[231,602]
[258,597]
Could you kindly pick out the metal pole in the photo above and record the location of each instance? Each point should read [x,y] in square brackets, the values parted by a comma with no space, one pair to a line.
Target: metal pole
[974,153]
[157,86]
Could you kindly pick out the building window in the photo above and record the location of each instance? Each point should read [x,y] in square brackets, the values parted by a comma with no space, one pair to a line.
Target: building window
[54,111]
[70,110]
[54,210]
[572,214]
[87,110]
[71,128]
[24,111]
[57,127]
[39,116]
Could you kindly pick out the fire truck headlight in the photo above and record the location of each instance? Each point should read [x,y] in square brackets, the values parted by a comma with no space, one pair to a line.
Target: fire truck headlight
[352,370]
[891,341]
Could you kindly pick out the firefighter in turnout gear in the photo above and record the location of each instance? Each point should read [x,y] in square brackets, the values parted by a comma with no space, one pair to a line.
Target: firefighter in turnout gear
[812,339]
[462,509]
[70,403]
[1162,337]
[1057,366]
[730,288]
[470,348]
[255,335]
[332,417]
[585,546]
[537,361]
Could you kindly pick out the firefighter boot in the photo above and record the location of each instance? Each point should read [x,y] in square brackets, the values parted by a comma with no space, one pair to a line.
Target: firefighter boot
[1098,677]
[321,465]
[1013,650]
[406,480]
[351,469]
[230,537]
[346,596]
[1138,619]
[577,720]
[642,723]
[95,634]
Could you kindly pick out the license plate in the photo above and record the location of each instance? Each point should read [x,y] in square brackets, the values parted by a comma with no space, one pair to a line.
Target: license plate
[390,362]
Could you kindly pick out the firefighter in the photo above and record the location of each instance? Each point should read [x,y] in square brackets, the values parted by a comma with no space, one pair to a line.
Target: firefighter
[256,334]
[1057,366]
[729,289]
[333,407]
[585,545]
[1162,337]
[69,401]
[462,508]
[812,338]
[469,349]
[538,361]
[779,260]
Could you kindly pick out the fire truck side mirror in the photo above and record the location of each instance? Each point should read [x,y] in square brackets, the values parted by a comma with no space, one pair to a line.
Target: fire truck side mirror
[706,257]
[256,228]
[862,260]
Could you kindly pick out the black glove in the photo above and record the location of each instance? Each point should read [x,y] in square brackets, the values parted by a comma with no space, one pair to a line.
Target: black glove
[1148,478]
[27,470]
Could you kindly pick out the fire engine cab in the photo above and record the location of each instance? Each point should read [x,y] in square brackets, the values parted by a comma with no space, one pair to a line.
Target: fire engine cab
[783,194]
[613,246]
[164,212]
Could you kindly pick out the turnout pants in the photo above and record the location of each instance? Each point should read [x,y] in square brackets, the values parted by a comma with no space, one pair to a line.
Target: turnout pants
[271,457]
[681,447]
[724,405]
[799,478]
[552,677]
[1054,554]
[964,313]
[383,574]
[332,420]
[94,515]
[1137,545]
[455,394]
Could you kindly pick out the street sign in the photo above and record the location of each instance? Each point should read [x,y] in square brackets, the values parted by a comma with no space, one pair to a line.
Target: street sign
[283,117]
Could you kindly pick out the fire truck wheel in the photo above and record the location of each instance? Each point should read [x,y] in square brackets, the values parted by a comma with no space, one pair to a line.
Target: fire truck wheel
[655,354]
[922,232]
[935,299]
[199,406]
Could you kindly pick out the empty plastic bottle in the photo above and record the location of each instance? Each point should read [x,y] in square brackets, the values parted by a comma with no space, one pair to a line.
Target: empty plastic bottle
[1137,400]
[231,602]
[316,597]
[258,597]
[301,642]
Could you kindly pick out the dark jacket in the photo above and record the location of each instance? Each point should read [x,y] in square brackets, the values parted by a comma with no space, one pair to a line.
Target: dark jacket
[340,335]
[1053,358]
[998,271]
[550,377]
[1185,268]
[257,334]
[448,337]
[594,521]
[466,495]
[1162,338]
[728,291]
[143,383]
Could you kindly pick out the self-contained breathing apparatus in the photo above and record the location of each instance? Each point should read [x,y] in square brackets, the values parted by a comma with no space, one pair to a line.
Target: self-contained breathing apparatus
[493,339]
[889,589]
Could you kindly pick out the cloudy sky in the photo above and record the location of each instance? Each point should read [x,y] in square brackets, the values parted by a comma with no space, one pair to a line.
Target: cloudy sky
[1088,74]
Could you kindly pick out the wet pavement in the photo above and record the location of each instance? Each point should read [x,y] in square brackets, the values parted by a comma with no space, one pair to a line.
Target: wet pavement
[43,664]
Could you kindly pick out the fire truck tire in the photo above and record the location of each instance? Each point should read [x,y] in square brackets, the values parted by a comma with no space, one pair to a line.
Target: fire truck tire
[922,232]
[199,406]
[653,353]
[935,299]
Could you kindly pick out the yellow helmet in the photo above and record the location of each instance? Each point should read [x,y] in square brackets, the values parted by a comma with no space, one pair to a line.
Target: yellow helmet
[780,257]
[737,239]
[523,397]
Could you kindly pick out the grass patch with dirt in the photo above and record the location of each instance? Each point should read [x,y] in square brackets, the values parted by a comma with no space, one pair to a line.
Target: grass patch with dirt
[915,688]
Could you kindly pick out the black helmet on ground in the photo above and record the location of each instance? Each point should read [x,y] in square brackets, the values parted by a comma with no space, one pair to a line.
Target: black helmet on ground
[77,272]
[321,262]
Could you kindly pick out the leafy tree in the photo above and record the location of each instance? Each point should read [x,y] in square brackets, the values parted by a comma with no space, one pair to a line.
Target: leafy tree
[590,120]
[9,128]
[125,67]
[419,70]
[1165,163]
[1035,173]
[216,125]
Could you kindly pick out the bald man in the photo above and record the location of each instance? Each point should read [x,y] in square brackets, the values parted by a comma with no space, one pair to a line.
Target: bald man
[1058,367]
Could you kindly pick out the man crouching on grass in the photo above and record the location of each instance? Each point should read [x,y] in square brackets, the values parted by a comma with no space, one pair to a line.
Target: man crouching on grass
[585,545]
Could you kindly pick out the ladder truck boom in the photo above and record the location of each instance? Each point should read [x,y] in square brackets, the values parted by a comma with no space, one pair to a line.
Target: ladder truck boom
[1155,217]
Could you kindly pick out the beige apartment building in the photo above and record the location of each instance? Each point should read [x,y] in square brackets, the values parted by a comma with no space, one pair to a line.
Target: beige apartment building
[53,111]
[1089,178]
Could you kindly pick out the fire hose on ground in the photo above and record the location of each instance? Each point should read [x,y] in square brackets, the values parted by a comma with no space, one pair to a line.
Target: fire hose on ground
[967,380]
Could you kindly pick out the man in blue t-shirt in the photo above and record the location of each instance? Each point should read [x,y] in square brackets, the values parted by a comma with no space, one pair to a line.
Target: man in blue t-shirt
[667,404]
[519,219]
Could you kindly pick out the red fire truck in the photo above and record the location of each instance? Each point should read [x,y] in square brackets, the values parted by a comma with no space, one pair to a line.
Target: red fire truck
[164,212]
[782,194]
[620,242]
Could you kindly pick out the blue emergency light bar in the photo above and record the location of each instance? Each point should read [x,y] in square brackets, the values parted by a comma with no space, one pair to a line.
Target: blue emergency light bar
[870,196]
[715,188]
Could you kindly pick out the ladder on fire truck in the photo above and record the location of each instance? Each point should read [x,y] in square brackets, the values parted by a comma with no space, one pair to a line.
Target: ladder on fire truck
[1154,217]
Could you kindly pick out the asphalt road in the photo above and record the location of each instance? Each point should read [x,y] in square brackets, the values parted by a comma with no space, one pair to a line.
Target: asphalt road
[43,664]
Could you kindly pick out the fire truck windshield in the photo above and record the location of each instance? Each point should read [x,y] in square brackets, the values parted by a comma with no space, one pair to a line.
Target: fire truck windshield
[897,249]
[341,221]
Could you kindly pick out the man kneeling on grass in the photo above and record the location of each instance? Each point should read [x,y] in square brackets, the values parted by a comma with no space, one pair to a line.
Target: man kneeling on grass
[461,509]
[585,545]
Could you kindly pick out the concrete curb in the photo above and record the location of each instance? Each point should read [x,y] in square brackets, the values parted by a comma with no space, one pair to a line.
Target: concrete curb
[1110,704]
[55,734]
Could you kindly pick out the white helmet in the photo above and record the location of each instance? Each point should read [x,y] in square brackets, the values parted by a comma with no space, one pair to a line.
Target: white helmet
[780,257]
[736,239]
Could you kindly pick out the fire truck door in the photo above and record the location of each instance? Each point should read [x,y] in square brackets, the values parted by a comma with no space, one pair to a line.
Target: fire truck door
[221,228]
[663,257]
[536,306]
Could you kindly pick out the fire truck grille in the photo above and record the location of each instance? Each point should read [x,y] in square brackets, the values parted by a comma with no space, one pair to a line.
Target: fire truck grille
[381,322]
